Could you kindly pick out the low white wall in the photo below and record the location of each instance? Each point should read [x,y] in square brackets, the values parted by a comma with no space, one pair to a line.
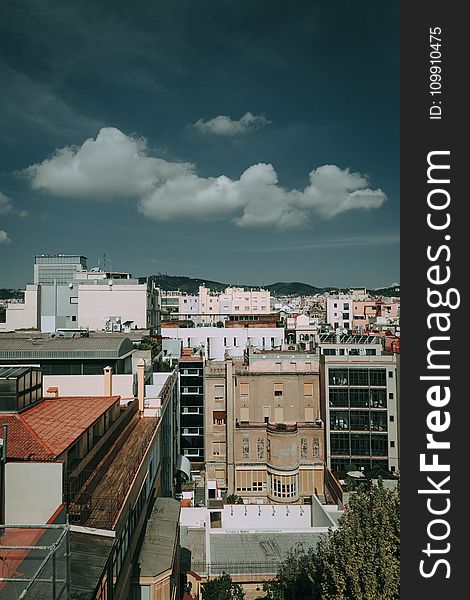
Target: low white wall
[33,492]
[88,385]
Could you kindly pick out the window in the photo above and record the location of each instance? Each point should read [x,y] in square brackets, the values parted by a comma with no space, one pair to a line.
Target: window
[339,398]
[219,417]
[360,420]
[345,305]
[278,389]
[246,447]
[219,392]
[377,377]
[359,397]
[390,396]
[303,447]
[392,418]
[360,444]
[392,444]
[338,376]
[244,389]
[260,448]
[340,443]
[379,445]
[390,374]
[329,351]
[371,351]
[316,448]
[309,418]
[339,419]
[244,414]
[308,389]
[346,316]
[266,412]
[358,376]
[279,415]
[218,448]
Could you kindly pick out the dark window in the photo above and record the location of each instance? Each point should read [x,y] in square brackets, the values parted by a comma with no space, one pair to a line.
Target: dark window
[338,377]
[358,376]
[379,445]
[339,419]
[390,396]
[340,443]
[371,351]
[339,398]
[378,398]
[377,377]
[360,444]
[359,397]
[360,420]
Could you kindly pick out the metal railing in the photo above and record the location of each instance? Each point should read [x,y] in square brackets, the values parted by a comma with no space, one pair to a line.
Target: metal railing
[38,571]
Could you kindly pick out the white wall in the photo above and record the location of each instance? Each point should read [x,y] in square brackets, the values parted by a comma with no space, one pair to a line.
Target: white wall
[98,302]
[218,335]
[33,492]
[88,385]
[22,315]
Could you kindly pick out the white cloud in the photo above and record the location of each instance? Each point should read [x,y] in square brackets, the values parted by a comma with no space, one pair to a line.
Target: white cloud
[116,165]
[333,191]
[4,239]
[224,125]
[7,207]
[112,165]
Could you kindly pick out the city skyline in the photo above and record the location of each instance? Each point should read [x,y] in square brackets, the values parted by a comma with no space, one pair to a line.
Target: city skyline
[240,142]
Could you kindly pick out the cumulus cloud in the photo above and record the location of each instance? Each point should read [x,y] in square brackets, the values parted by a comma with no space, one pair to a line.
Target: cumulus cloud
[112,165]
[333,190]
[7,207]
[116,165]
[4,239]
[224,125]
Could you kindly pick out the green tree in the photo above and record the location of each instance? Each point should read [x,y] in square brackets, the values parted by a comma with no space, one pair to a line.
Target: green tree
[234,499]
[358,561]
[222,588]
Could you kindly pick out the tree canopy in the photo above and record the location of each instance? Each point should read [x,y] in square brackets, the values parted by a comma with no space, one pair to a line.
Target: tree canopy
[222,588]
[358,561]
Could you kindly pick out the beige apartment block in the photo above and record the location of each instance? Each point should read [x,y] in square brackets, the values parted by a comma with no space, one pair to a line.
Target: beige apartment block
[263,427]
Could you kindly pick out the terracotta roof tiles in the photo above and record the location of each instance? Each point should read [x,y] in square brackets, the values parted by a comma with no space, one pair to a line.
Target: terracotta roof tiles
[46,430]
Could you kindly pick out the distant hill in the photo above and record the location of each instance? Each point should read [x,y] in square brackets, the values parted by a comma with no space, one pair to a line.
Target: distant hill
[190,285]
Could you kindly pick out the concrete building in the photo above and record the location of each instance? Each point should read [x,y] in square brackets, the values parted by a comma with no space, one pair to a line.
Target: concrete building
[361,403]
[23,315]
[65,295]
[104,466]
[219,341]
[69,356]
[263,426]
[209,307]
[249,542]
[191,373]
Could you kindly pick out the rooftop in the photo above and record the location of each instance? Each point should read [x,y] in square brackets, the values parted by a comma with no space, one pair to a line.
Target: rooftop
[61,347]
[158,548]
[35,434]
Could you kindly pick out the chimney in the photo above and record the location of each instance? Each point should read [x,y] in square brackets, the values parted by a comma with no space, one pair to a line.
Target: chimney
[108,381]
[52,392]
[141,384]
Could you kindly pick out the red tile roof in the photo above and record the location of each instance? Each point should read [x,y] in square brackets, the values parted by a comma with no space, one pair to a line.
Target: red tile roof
[44,431]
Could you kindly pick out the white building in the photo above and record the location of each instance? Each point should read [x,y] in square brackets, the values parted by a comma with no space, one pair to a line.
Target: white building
[23,315]
[233,340]
[210,306]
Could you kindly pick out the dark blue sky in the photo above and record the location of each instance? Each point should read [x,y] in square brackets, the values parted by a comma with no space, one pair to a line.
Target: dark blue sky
[247,141]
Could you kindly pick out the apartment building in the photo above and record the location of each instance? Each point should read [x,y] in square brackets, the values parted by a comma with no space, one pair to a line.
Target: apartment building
[264,430]
[219,341]
[191,373]
[208,306]
[361,403]
[104,466]
[66,295]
